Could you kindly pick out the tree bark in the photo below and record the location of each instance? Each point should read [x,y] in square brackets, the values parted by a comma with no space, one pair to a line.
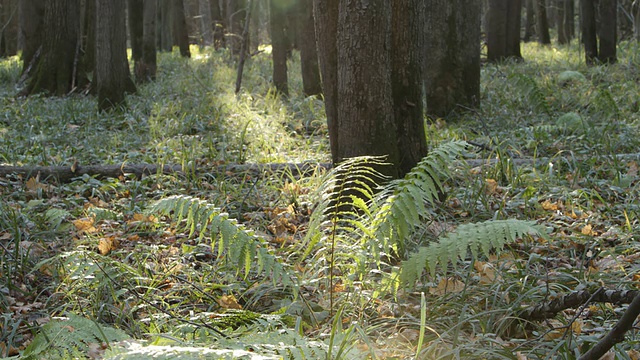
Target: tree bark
[31,16]
[279,45]
[635,10]
[136,33]
[565,21]
[218,24]
[112,76]
[607,31]
[366,125]
[206,26]
[503,32]
[588,27]
[56,71]
[529,24]
[407,62]
[236,12]
[180,32]
[89,37]
[308,51]
[165,25]
[10,23]
[542,23]
[452,55]
[146,71]
[326,22]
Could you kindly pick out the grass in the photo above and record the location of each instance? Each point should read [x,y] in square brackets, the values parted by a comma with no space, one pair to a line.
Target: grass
[155,276]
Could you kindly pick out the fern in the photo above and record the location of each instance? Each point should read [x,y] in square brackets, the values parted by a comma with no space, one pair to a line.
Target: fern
[238,245]
[70,338]
[469,238]
[604,103]
[531,92]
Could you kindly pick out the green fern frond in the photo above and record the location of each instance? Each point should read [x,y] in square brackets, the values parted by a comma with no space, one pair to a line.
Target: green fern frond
[399,214]
[477,238]
[70,337]
[605,104]
[233,241]
[531,92]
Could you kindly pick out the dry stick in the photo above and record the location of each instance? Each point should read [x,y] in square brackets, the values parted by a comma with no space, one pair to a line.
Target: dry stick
[616,334]
[245,45]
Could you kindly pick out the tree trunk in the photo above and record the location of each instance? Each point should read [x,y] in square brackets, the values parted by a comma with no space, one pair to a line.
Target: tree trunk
[326,22]
[407,61]
[180,33]
[588,27]
[308,52]
[206,26]
[136,32]
[112,75]
[236,12]
[565,21]
[279,46]
[31,16]
[218,24]
[366,125]
[503,33]
[529,24]
[146,71]
[607,31]
[89,37]
[542,23]
[165,25]
[56,71]
[635,9]
[452,55]
[10,23]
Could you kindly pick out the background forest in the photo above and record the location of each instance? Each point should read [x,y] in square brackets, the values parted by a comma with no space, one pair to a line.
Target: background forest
[318,179]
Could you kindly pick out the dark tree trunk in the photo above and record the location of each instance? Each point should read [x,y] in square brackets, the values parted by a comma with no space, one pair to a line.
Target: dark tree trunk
[635,9]
[165,25]
[529,23]
[542,23]
[452,55]
[180,33]
[136,31]
[89,36]
[112,75]
[407,61]
[236,12]
[607,31]
[146,71]
[279,45]
[588,27]
[366,125]
[565,21]
[10,23]
[326,22]
[206,26]
[503,33]
[56,71]
[308,51]
[31,16]
[218,23]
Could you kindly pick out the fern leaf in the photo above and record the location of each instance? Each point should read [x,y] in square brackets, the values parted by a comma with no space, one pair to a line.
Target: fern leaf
[485,237]
[531,92]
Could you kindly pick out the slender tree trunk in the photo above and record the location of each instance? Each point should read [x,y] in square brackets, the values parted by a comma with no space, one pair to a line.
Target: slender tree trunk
[452,55]
[565,21]
[218,24]
[180,33]
[136,32]
[407,57]
[148,66]
[542,23]
[206,26]
[607,31]
[31,15]
[112,76]
[165,25]
[279,46]
[10,23]
[56,71]
[635,10]
[514,19]
[326,22]
[529,24]
[236,12]
[503,33]
[588,27]
[308,52]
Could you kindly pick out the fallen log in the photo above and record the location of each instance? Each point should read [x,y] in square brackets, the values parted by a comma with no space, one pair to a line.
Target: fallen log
[64,174]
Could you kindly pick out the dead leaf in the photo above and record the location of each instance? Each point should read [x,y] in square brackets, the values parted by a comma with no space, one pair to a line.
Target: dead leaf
[229,302]
[107,245]
[609,356]
[33,184]
[634,354]
[520,356]
[576,327]
[84,225]
[586,230]
[549,206]
[447,285]
[491,186]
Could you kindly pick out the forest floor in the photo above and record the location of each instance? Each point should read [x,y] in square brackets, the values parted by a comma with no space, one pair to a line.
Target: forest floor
[94,267]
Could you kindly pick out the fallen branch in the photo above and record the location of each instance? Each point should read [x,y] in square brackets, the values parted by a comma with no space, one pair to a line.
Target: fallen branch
[63,174]
[552,308]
